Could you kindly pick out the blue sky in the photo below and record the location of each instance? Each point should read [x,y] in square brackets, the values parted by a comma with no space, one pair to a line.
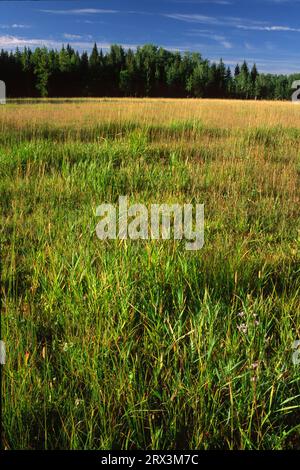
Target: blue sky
[263,31]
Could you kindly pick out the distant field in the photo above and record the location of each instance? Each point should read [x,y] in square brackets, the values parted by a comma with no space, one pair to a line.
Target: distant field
[142,344]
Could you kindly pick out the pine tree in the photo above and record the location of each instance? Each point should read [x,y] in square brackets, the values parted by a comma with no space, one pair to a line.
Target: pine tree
[237,70]
[94,57]
[41,70]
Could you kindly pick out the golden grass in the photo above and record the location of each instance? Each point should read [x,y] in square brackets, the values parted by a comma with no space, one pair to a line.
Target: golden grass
[224,114]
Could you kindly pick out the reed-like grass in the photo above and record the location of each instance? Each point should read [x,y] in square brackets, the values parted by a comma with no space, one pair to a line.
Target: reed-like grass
[125,345]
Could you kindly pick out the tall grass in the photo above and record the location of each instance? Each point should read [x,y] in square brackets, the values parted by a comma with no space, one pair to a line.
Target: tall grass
[125,345]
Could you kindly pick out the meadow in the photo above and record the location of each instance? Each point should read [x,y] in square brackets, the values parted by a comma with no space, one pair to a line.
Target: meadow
[141,344]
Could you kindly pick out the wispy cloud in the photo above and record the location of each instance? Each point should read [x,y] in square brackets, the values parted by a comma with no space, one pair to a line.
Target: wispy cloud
[229,21]
[238,23]
[11,42]
[81,11]
[193,18]
[89,22]
[269,28]
[215,2]
[72,36]
[14,26]
[220,39]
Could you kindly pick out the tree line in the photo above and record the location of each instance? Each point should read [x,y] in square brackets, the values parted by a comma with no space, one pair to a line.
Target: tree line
[148,71]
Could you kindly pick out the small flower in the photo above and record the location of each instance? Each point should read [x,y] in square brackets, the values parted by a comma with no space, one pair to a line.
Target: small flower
[241,314]
[255,365]
[243,328]
[67,346]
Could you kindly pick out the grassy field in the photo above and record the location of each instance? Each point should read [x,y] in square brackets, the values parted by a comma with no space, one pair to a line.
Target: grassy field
[143,345]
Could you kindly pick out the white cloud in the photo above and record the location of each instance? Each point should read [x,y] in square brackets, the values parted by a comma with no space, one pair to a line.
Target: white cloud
[238,23]
[226,44]
[193,18]
[210,35]
[80,11]
[14,26]
[72,36]
[216,2]
[11,42]
[269,28]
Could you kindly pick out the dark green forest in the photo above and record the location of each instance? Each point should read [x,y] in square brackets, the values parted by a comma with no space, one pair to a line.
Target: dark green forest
[148,71]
